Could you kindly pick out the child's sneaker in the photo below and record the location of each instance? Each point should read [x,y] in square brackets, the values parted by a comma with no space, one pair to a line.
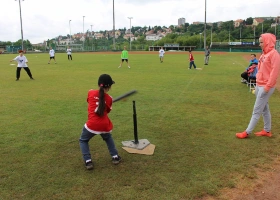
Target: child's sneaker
[128,66]
[242,135]
[116,160]
[89,165]
[263,133]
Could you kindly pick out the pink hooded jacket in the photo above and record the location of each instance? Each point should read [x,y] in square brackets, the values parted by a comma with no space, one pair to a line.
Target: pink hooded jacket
[269,63]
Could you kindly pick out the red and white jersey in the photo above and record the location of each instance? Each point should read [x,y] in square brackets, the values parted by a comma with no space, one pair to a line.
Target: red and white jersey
[191,57]
[21,60]
[98,124]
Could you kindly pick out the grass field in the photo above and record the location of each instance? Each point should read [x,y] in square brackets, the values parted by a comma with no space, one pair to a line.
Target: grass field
[190,115]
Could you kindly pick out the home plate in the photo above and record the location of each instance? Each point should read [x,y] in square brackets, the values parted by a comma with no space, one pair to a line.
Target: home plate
[148,150]
[12,64]
[199,68]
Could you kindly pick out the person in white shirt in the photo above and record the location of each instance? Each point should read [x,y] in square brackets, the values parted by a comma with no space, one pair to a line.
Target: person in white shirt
[52,55]
[22,60]
[161,54]
[69,53]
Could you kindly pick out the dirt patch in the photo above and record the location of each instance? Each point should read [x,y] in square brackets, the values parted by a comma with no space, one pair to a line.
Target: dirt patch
[265,187]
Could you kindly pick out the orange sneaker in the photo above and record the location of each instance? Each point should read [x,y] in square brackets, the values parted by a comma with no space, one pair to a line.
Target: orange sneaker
[242,135]
[263,133]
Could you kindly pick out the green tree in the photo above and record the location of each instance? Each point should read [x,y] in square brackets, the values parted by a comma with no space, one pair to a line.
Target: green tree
[249,21]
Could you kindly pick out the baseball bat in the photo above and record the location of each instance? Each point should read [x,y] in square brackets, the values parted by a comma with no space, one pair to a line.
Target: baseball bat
[124,95]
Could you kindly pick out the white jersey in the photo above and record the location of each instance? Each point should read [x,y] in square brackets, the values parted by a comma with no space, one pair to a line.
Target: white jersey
[161,52]
[21,60]
[51,53]
[69,51]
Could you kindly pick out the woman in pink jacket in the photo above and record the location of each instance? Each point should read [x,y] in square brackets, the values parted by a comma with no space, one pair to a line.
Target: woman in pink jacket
[268,71]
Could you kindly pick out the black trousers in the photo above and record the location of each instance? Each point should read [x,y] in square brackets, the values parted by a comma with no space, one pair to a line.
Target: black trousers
[69,56]
[244,75]
[26,69]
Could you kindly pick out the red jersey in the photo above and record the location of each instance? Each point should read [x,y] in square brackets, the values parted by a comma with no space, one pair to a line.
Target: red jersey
[191,57]
[95,123]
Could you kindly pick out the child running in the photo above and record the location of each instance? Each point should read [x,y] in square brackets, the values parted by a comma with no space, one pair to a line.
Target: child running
[191,61]
[161,54]
[98,123]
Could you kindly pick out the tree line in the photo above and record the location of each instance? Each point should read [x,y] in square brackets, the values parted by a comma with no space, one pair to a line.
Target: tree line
[185,35]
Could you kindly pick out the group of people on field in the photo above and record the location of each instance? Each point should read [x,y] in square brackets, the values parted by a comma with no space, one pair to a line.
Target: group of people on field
[100,103]
[191,58]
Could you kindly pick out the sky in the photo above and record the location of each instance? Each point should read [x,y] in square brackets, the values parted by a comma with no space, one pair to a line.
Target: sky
[42,20]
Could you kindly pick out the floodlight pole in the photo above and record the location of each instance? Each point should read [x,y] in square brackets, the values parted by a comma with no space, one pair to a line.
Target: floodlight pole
[211,33]
[205,27]
[254,33]
[83,34]
[114,39]
[200,41]
[70,31]
[240,31]
[130,31]
[91,37]
[229,34]
[21,24]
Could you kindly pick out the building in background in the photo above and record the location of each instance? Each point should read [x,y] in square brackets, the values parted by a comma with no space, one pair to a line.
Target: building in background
[181,21]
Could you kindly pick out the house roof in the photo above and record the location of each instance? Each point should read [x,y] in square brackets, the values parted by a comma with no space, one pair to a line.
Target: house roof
[259,20]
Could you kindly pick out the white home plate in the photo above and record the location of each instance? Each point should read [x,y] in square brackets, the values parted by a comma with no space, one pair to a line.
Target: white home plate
[12,64]
[199,68]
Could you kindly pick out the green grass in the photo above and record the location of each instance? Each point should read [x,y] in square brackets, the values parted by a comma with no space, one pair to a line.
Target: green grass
[190,115]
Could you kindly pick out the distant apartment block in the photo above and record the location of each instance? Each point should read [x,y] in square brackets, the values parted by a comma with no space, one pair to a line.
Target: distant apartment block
[181,21]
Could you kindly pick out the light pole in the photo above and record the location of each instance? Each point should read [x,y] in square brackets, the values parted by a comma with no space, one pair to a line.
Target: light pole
[83,34]
[91,37]
[229,34]
[240,31]
[130,31]
[114,40]
[200,40]
[254,33]
[69,31]
[205,27]
[21,24]
[211,33]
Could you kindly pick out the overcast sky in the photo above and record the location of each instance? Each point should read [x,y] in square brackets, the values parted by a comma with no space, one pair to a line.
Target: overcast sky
[44,20]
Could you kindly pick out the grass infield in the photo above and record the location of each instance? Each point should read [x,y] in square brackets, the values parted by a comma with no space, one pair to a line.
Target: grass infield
[190,115]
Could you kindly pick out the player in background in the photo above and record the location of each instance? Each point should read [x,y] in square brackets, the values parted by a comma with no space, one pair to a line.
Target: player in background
[191,60]
[161,54]
[69,53]
[22,60]
[52,53]
[124,57]
[207,54]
